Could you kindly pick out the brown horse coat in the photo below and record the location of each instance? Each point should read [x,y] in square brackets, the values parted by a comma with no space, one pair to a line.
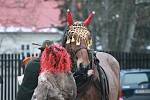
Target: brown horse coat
[112,69]
[92,91]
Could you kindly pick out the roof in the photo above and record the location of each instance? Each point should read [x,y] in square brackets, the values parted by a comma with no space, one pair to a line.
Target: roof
[31,14]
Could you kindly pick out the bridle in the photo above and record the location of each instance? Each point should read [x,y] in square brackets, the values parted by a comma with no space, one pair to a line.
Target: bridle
[101,85]
[81,47]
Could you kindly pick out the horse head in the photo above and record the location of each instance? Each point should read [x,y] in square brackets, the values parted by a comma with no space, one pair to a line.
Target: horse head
[78,36]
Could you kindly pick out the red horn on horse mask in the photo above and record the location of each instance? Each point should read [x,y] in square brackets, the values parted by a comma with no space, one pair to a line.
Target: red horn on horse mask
[78,31]
[89,19]
[69,17]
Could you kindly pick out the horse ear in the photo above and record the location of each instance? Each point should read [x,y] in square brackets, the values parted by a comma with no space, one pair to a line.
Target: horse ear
[69,18]
[89,19]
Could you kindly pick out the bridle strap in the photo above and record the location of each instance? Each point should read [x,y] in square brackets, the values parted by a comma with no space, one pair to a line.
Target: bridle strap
[80,49]
[102,84]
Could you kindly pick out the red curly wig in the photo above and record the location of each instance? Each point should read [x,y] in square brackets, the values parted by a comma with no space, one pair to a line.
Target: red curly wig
[55,59]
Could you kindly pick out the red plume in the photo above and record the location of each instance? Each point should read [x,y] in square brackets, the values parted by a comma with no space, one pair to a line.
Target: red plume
[55,59]
[69,17]
[89,19]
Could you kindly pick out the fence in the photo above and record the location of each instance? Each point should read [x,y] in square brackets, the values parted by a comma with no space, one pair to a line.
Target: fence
[10,68]
[132,60]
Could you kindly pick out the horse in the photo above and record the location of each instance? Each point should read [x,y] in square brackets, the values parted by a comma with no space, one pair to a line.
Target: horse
[55,81]
[104,83]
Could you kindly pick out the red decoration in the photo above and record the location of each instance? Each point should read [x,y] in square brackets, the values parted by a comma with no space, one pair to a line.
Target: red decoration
[89,19]
[69,17]
[55,59]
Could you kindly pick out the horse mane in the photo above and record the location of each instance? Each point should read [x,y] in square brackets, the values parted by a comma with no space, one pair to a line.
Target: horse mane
[64,38]
[55,59]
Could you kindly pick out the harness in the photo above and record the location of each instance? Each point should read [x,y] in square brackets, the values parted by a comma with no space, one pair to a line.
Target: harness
[82,80]
[104,85]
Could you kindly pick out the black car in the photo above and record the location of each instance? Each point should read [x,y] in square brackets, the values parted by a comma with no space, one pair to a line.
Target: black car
[135,84]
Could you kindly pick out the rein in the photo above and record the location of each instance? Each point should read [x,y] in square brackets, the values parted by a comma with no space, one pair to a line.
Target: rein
[102,84]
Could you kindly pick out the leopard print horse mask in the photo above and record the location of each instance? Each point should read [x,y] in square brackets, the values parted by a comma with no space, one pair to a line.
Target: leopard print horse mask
[78,32]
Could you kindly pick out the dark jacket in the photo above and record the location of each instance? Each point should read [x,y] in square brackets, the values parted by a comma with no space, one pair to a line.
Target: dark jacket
[30,80]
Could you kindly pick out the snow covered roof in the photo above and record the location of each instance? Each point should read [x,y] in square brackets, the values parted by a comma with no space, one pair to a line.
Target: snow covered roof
[29,15]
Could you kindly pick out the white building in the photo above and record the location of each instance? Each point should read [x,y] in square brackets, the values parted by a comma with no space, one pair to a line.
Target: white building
[18,42]
[28,21]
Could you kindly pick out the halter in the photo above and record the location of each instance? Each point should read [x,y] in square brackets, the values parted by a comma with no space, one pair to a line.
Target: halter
[78,34]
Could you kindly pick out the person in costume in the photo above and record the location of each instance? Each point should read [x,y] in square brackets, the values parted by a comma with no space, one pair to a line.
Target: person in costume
[30,79]
[55,80]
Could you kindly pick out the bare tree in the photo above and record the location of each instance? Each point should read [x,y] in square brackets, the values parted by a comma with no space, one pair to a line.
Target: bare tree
[115,23]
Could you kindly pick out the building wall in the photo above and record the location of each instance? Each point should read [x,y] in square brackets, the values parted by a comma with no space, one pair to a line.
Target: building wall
[13,42]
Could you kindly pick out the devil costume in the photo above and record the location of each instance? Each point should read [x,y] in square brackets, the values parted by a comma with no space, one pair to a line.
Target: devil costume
[55,81]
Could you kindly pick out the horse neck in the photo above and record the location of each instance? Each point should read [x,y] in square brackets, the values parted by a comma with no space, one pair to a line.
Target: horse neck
[83,57]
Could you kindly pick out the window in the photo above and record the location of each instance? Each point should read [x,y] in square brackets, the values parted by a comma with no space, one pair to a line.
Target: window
[135,78]
[28,47]
[22,47]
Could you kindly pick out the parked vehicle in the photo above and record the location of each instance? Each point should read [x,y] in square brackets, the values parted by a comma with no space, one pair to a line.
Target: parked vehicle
[135,84]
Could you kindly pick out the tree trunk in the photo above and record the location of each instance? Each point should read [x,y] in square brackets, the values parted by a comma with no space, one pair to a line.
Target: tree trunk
[126,26]
[131,32]
[105,30]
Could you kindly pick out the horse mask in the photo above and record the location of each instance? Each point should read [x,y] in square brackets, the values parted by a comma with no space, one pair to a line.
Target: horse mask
[78,33]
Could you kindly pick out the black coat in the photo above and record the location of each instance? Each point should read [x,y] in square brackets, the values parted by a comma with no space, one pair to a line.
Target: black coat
[30,80]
